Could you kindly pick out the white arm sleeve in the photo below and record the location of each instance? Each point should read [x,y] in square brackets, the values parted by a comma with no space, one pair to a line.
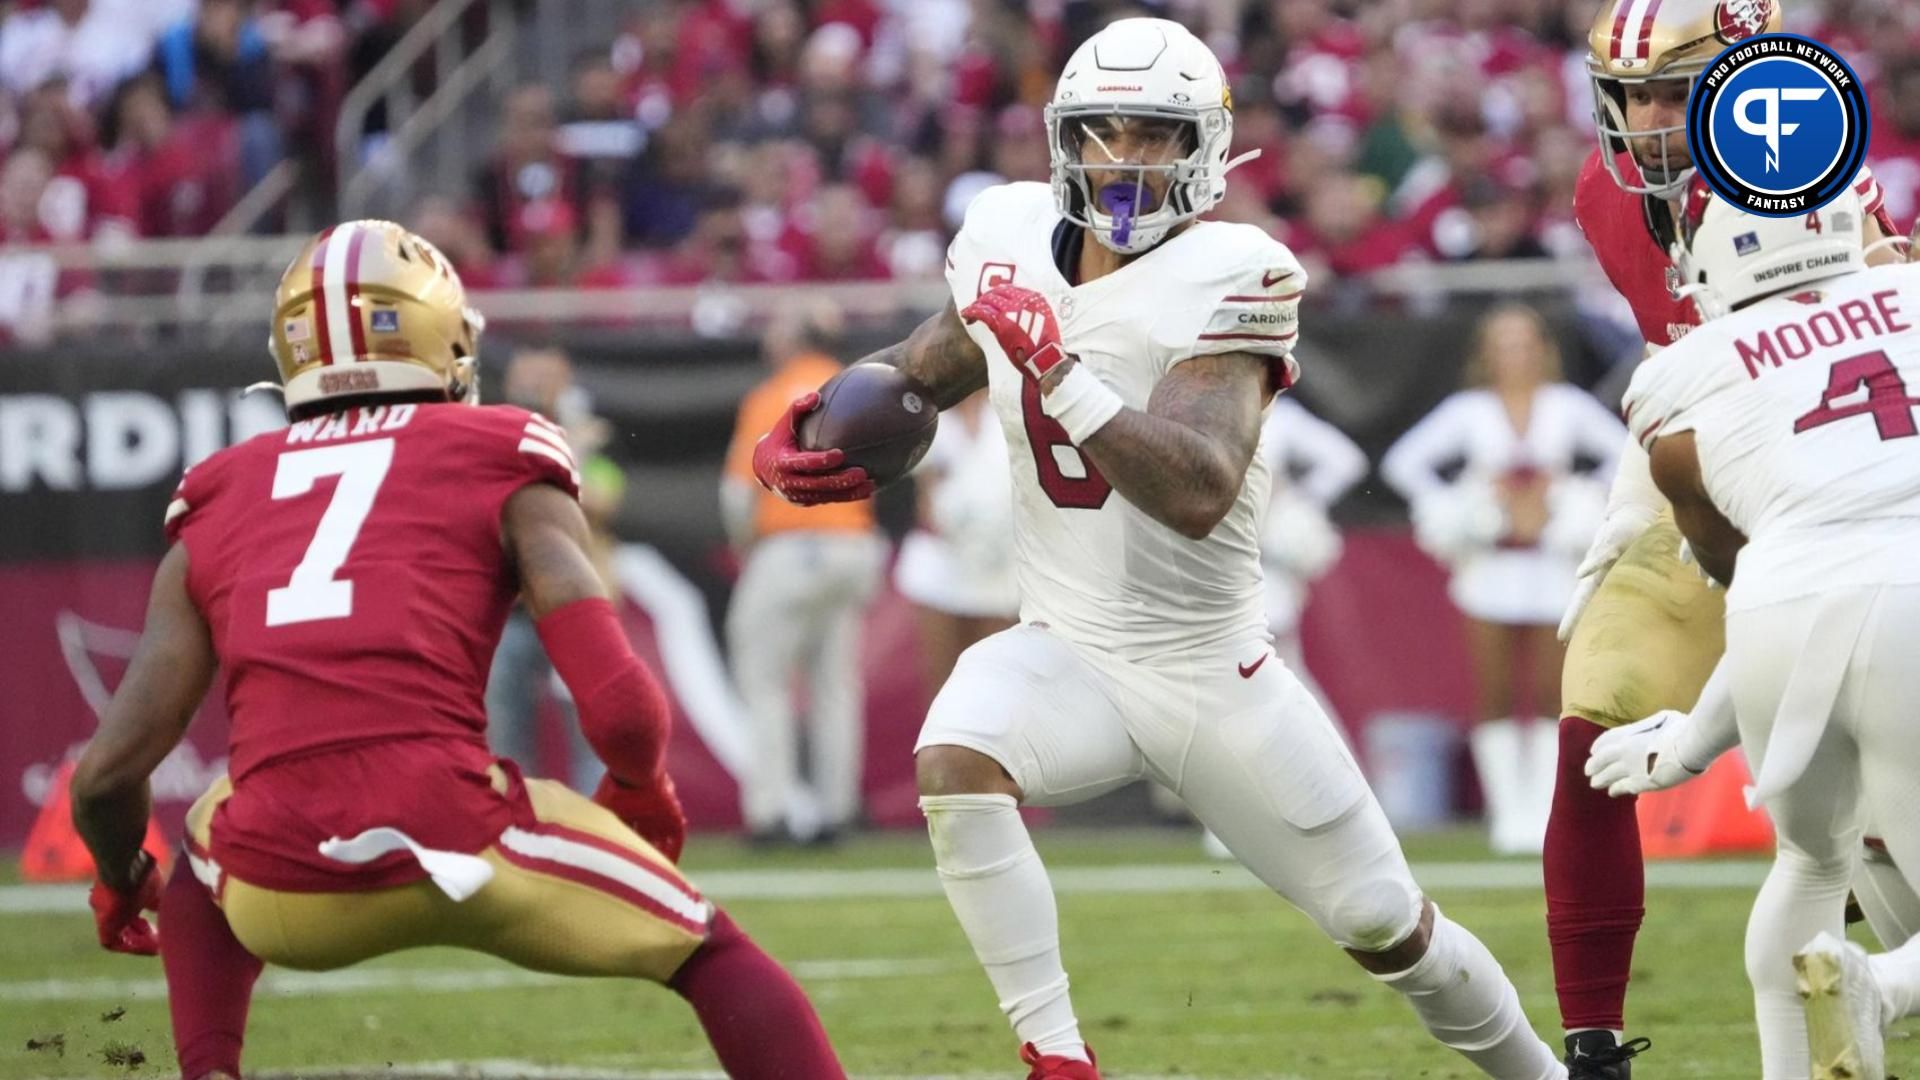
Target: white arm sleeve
[1633,486]
[1711,728]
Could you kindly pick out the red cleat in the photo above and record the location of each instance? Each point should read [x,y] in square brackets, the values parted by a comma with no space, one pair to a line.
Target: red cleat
[1056,1067]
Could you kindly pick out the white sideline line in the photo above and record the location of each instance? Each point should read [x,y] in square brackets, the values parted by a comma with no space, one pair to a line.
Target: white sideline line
[730,885]
[281,983]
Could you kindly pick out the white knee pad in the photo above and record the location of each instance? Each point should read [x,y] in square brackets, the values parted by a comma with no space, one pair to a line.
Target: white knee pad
[1373,913]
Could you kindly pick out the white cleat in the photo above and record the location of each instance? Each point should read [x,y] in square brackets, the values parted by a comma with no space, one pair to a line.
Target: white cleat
[1842,1003]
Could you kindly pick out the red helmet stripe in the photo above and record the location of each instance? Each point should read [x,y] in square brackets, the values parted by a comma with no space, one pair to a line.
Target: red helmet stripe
[355,319]
[1620,27]
[319,292]
[1640,50]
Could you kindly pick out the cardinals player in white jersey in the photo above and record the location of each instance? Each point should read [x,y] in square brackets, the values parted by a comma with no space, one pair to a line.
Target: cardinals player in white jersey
[1130,352]
[1783,431]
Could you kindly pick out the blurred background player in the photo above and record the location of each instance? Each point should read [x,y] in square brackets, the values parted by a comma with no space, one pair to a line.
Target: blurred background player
[1139,500]
[957,563]
[351,574]
[540,380]
[807,576]
[1510,524]
[1643,630]
[1760,436]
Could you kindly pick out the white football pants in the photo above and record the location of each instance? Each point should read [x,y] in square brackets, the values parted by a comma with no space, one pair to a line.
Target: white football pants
[1834,671]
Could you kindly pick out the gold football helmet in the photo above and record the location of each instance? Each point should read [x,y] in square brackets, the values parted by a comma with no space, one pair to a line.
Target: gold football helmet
[369,308]
[1639,41]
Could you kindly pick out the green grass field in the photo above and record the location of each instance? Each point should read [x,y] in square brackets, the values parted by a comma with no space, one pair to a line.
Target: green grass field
[1179,968]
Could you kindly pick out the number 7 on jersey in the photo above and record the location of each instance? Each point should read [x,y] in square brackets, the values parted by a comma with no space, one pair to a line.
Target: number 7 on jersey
[313,593]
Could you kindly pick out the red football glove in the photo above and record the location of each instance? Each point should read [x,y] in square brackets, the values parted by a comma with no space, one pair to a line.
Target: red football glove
[1022,321]
[117,915]
[652,810]
[806,477]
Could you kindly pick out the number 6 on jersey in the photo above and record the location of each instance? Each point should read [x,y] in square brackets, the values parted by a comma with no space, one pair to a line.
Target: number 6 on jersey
[313,593]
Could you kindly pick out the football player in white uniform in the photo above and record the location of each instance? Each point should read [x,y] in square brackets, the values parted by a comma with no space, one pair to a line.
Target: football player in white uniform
[1782,432]
[1130,352]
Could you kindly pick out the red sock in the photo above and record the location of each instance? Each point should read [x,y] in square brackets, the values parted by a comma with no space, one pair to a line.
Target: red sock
[209,977]
[1596,889]
[757,1018]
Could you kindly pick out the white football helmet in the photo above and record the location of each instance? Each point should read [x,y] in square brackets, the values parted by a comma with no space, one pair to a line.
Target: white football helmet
[1142,96]
[1731,257]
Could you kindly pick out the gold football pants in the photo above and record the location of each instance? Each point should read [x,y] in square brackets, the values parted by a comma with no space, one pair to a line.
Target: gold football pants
[1649,637]
[575,893]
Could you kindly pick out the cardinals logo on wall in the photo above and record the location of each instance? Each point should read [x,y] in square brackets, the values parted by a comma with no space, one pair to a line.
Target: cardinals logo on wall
[93,653]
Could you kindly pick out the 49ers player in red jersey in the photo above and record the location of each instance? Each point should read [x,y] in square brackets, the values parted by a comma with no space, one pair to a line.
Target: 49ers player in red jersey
[351,575]
[1644,630]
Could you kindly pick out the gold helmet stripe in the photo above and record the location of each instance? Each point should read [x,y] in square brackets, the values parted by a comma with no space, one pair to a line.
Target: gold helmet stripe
[1633,29]
[336,290]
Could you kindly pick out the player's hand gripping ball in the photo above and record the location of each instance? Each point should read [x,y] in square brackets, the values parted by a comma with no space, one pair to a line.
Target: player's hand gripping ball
[801,476]
[1022,321]
[879,417]
[118,915]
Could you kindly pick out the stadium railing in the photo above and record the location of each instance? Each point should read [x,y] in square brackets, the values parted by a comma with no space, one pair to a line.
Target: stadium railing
[217,286]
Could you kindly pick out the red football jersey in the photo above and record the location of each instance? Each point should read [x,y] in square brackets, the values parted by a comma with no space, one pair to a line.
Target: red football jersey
[1615,222]
[350,568]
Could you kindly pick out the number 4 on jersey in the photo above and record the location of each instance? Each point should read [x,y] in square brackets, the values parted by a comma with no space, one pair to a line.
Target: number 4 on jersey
[1887,400]
[313,592]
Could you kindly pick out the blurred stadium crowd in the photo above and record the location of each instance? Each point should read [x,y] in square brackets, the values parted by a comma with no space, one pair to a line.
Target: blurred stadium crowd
[751,141]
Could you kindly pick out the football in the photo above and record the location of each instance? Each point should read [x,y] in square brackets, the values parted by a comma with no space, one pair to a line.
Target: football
[881,417]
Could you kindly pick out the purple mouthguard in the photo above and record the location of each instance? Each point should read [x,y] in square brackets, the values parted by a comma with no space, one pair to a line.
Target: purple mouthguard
[1119,202]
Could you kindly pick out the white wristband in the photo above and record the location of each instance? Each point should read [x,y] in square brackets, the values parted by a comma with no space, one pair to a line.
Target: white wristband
[1082,403]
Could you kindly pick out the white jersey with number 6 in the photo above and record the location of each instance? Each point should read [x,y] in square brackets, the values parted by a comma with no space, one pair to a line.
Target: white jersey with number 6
[1093,567]
[1807,423]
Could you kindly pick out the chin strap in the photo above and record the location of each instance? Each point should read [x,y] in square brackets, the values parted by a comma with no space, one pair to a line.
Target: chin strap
[1711,309]
[1904,243]
[1241,160]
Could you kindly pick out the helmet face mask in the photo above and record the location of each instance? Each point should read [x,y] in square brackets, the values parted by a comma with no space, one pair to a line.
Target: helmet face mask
[1128,171]
[1636,46]
[1137,133]
[1661,161]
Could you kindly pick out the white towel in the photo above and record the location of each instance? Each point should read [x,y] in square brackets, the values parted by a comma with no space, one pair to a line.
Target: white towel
[457,875]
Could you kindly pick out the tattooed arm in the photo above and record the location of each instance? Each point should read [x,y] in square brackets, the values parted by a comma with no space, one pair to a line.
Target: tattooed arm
[941,355]
[1184,458]
[1716,541]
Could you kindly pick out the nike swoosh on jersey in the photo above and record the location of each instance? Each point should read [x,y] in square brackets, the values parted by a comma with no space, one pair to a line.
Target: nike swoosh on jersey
[1269,279]
[1247,670]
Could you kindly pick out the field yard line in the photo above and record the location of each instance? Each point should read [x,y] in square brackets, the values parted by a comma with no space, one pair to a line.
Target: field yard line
[281,983]
[791,884]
